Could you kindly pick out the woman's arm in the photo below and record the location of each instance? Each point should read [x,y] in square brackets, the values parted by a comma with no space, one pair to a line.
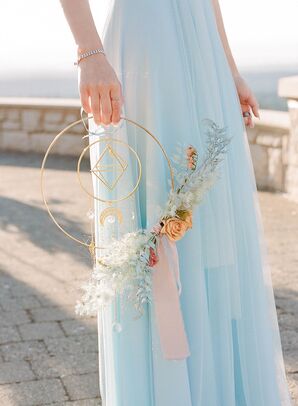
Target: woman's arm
[99,87]
[246,96]
[224,38]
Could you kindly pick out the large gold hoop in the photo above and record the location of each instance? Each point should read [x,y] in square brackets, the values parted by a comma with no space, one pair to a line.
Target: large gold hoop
[91,246]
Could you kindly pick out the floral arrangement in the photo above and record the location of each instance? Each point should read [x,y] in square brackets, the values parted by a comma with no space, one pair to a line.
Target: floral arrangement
[126,266]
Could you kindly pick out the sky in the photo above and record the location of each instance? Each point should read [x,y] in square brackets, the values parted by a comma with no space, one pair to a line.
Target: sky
[34,36]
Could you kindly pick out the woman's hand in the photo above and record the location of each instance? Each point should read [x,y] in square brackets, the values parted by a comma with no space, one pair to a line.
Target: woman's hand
[100,90]
[247,99]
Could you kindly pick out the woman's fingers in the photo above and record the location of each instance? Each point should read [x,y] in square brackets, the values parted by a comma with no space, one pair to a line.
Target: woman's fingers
[250,122]
[95,106]
[105,103]
[251,105]
[248,101]
[116,100]
[98,81]
[247,120]
[252,101]
[85,102]
[106,107]
[116,111]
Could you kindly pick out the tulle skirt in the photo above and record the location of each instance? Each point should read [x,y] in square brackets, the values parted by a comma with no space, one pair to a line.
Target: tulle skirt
[169,58]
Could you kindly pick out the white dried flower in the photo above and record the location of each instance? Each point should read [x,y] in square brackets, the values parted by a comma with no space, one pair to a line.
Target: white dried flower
[123,267]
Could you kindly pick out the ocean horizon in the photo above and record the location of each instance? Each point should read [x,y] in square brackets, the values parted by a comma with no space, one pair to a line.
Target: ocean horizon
[263,81]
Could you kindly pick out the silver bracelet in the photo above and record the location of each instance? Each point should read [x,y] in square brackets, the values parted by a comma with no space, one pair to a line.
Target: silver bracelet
[89,53]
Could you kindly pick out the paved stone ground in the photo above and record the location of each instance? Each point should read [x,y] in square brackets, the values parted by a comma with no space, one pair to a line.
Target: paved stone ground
[280,220]
[47,355]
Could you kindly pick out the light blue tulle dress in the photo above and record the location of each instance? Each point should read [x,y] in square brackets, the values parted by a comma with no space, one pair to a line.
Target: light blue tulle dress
[169,58]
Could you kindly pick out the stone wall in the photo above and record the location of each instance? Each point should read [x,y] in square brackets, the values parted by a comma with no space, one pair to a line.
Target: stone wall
[288,88]
[30,124]
[291,181]
[269,149]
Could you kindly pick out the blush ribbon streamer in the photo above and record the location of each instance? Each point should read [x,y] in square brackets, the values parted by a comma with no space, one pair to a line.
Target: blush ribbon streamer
[170,324]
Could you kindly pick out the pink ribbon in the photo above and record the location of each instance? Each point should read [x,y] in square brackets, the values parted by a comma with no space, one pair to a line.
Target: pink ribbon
[168,313]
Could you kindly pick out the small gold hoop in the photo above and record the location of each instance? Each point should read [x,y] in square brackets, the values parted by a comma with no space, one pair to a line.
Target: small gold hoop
[119,142]
[91,245]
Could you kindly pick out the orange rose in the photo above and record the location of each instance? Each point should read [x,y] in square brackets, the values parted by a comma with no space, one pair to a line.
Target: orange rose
[175,228]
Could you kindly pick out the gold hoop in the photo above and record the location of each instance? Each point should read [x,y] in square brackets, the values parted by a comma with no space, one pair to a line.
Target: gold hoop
[119,142]
[91,246]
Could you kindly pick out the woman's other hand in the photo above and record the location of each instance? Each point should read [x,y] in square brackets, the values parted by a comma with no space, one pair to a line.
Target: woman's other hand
[247,99]
[100,90]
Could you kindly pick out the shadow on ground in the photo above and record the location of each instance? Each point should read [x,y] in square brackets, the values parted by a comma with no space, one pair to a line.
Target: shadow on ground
[33,223]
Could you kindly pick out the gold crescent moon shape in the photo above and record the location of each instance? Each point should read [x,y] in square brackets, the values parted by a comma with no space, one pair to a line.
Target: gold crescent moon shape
[110,211]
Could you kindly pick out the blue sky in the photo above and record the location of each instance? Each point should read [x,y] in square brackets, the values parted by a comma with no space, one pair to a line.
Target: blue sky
[35,37]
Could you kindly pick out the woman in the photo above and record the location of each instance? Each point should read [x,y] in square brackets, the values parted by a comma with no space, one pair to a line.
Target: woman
[170,63]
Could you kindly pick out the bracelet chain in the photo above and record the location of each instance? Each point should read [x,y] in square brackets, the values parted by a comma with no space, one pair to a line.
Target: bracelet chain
[89,53]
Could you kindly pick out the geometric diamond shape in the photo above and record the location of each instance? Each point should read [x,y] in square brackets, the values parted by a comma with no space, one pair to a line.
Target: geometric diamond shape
[116,166]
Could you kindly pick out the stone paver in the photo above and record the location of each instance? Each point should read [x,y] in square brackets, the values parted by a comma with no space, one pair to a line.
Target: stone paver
[19,371]
[34,393]
[12,304]
[25,350]
[85,402]
[81,386]
[74,327]
[66,364]
[52,313]
[9,334]
[72,345]
[48,356]
[13,317]
[38,331]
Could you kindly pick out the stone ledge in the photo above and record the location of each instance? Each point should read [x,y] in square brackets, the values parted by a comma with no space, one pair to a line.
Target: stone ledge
[288,87]
[30,124]
[268,145]
[39,102]
[273,120]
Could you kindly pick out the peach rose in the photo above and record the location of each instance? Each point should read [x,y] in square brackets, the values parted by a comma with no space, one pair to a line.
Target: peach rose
[175,228]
